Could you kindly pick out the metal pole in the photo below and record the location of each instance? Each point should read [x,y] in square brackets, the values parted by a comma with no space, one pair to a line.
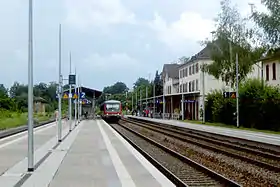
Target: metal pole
[146,97]
[78,100]
[262,74]
[136,102]
[30,92]
[132,102]
[140,102]
[182,107]
[70,104]
[237,92]
[203,92]
[75,100]
[59,89]
[154,93]
[81,104]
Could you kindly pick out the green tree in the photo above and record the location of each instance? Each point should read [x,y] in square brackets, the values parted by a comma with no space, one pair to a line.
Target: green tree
[3,91]
[269,22]
[158,84]
[141,82]
[117,88]
[232,37]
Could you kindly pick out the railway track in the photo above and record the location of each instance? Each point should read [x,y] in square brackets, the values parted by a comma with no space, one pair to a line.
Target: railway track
[263,159]
[181,170]
[235,142]
[257,158]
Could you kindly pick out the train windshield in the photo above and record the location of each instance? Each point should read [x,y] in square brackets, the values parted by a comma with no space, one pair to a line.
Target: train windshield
[112,107]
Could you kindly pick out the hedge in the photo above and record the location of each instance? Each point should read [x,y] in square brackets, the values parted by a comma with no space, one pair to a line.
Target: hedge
[259,106]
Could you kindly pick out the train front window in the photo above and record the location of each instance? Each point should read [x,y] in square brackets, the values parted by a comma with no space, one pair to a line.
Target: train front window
[112,107]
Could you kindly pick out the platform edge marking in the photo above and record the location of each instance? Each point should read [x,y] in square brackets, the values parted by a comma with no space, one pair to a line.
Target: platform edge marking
[124,176]
[56,158]
[161,178]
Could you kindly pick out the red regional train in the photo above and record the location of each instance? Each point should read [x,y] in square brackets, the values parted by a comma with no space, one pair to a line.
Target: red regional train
[111,110]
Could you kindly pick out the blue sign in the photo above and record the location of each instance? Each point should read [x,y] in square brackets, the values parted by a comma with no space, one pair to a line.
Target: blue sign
[82,95]
[190,101]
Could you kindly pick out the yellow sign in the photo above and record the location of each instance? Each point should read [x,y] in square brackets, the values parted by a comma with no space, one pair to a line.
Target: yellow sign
[65,96]
[233,95]
[75,96]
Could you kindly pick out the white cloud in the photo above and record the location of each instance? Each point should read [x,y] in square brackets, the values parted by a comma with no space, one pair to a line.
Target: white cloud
[190,27]
[86,13]
[115,61]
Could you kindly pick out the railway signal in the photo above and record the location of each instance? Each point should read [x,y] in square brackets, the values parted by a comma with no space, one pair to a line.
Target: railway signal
[229,95]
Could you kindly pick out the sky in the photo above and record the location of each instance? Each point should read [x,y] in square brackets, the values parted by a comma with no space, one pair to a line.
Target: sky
[109,40]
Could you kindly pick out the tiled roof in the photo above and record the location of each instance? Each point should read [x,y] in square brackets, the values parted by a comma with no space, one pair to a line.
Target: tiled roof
[202,55]
[172,70]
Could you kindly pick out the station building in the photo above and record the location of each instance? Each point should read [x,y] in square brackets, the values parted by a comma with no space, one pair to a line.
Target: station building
[185,84]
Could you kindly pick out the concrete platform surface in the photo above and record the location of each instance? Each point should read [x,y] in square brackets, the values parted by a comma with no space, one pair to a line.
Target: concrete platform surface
[245,134]
[13,151]
[93,154]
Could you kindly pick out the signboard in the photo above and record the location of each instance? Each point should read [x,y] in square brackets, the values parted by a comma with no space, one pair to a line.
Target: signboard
[75,96]
[65,96]
[82,95]
[229,95]
[72,79]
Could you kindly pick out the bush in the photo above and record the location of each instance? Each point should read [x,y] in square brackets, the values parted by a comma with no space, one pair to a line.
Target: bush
[259,106]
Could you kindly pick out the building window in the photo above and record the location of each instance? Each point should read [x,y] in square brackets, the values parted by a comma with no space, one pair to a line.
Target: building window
[196,67]
[193,69]
[190,86]
[193,85]
[267,72]
[274,71]
[186,69]
[190,70]
[196,84]
[186,87]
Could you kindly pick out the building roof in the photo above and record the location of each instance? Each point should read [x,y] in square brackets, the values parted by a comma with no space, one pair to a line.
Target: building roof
[172,70]
[88,91]
[40,99]
[271,54]
[204,54]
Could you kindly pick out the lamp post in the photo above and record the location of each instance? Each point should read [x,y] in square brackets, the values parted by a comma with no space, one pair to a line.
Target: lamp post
[30,91]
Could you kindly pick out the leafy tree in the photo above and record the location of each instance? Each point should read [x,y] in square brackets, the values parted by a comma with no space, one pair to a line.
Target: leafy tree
[158,84]
[117,88]
[232,37]
[3,91]
[269,22]
[141,82]
[184,59]
[18,89]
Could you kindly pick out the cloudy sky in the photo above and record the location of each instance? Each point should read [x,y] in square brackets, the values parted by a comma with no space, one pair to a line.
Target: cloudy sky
[110,40]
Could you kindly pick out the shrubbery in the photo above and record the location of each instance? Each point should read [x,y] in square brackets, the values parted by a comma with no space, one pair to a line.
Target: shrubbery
[259,106]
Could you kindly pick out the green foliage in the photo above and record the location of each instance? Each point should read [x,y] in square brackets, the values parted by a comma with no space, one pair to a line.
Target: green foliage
[269,22]
[232,37]
[117,88]
[259,106]
[13,108]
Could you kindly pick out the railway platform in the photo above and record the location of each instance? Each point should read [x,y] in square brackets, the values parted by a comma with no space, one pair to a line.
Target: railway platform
[92,154]
[244,134]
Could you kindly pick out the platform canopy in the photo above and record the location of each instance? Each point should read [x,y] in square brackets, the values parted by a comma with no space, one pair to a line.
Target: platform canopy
[88,92]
